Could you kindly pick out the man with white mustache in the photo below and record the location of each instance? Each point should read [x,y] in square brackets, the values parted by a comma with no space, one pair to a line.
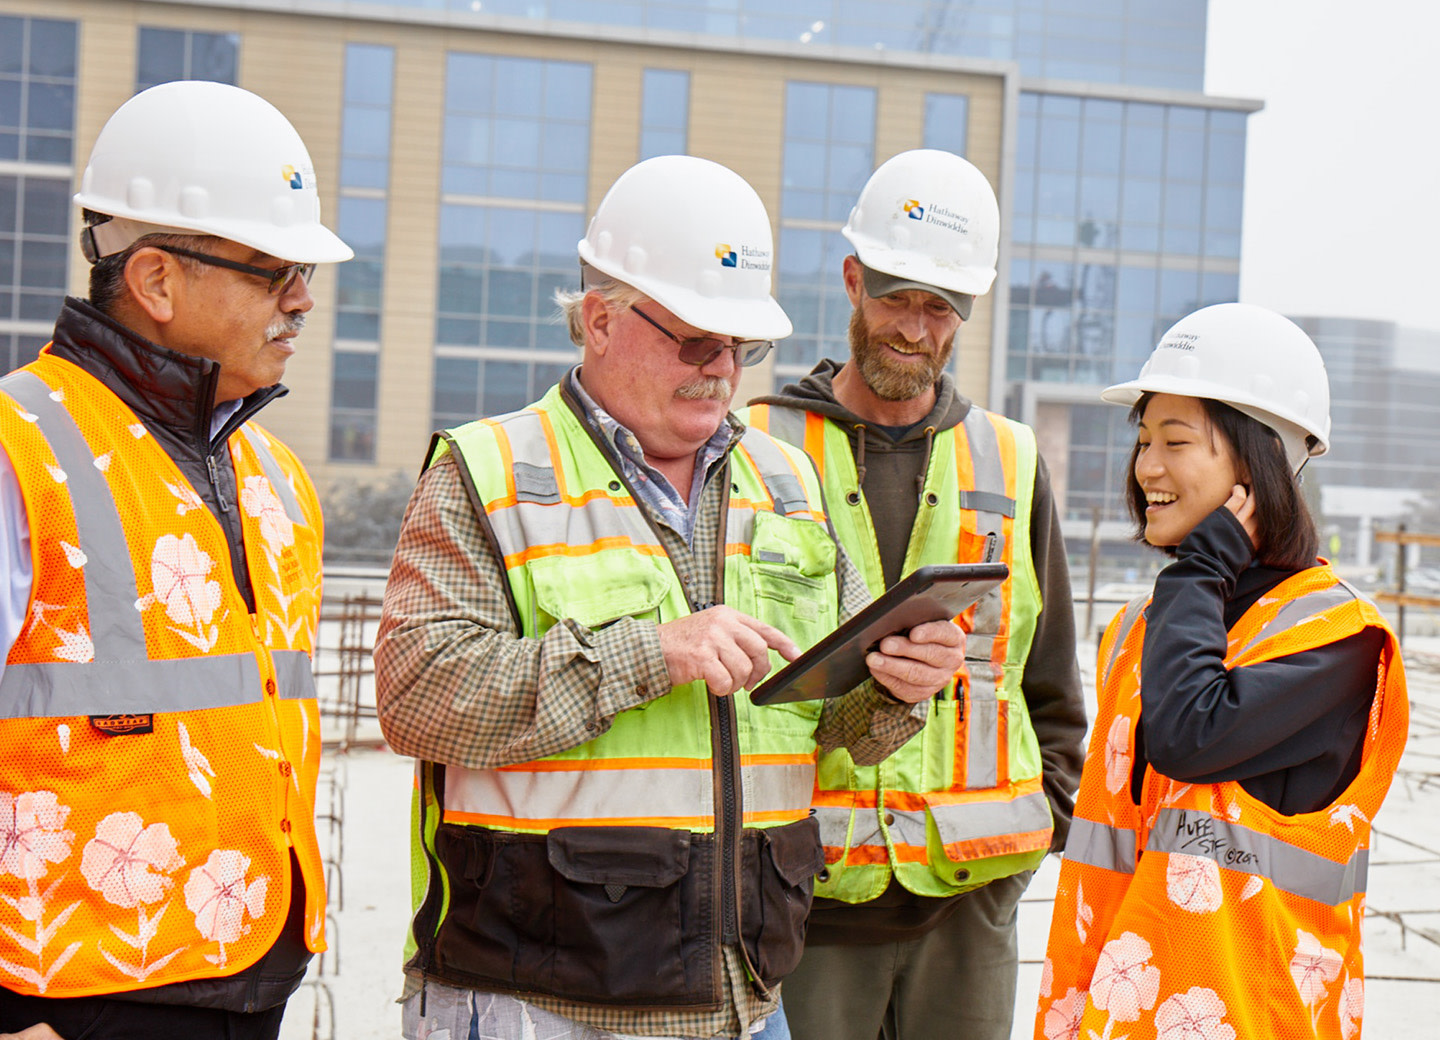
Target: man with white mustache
[912,934]
[612,839]
[160,559]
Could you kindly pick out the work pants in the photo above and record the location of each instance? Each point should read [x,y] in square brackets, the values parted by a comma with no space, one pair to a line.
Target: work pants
[103,1018]
[957,980]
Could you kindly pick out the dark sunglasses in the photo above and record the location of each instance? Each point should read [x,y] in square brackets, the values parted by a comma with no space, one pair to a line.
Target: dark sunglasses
[701,350]
[281,278]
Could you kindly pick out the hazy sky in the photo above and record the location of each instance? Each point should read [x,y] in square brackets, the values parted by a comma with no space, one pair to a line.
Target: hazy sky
[1342,179]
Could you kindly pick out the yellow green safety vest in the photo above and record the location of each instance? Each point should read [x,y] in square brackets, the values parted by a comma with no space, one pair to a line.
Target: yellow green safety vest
[961,803]
[673,779]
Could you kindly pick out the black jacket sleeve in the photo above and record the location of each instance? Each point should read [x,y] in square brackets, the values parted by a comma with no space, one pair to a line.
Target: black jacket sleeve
[1051,683]
[1289,730]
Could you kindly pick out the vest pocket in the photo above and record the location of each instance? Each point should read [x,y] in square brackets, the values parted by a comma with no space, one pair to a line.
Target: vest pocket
[781,863]
[603,915]
[791,562]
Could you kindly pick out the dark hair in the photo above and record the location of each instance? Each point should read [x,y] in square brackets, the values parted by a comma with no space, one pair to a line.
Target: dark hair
[1286,533]
[107,275]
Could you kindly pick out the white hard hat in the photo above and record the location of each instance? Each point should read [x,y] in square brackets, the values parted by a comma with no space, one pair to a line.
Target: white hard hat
[1258,362]
[200,158]
[928,219]
[694,237]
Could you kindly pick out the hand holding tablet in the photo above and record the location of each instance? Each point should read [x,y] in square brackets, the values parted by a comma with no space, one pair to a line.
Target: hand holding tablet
[836,664]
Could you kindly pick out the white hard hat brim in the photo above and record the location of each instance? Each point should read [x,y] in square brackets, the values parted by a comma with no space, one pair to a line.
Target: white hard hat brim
[1292,433]
[303,244]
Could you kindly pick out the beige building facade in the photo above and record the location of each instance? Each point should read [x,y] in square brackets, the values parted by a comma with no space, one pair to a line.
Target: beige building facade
[429,156]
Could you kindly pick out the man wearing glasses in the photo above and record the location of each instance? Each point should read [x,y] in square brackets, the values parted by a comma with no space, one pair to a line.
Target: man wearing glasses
[159,591]
[610,838]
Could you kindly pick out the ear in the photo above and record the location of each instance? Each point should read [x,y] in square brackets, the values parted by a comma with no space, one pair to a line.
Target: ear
[854,283]
[154,279]
[596,322]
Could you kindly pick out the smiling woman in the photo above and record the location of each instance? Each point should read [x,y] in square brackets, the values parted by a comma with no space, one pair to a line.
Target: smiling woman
[1249,703]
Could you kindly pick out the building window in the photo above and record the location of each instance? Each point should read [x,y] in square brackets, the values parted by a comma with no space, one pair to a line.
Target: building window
[664,113]
[37,130]
[170,54]
[516,161]
[829,155]
[361,219]
[947,122]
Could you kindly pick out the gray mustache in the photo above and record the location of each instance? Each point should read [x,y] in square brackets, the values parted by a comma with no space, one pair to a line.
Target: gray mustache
[706,388]
[292,324]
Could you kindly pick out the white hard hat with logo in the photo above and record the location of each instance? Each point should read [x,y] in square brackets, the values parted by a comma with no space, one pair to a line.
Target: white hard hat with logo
[929,220]
[200,158]
[694,237]
[1258,362]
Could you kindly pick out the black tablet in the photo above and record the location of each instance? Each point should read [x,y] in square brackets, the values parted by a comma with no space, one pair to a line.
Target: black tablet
[836,665]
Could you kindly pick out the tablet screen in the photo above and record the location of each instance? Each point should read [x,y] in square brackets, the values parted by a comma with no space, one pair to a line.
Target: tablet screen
[836,664]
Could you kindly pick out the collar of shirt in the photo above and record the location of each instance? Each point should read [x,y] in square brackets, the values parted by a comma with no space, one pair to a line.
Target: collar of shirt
[652,488]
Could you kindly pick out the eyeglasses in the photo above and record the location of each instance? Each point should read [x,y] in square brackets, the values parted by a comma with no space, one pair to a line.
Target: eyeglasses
[701,350]
[281,279]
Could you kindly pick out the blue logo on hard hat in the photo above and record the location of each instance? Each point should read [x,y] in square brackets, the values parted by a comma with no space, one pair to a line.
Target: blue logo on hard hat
[914,210]
[292,177]
[726,255]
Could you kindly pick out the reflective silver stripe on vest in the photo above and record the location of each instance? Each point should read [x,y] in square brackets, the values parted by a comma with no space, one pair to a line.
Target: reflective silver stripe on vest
[776,472]
[294,674]
[116,628]
[645,793]
[534,520]
[788,425]
[982,768]
[131,686]
[1100,845]
[1299,610]
[528,525]
[278,480]
[1133,612]
[1287,867]
[835,827]
[970,821]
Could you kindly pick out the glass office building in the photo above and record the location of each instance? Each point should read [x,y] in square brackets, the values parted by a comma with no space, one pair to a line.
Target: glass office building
[462,144]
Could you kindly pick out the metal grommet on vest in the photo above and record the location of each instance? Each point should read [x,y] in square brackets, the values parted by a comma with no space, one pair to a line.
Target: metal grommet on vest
[932,499]
[823,875]
[853,498]
[962,875]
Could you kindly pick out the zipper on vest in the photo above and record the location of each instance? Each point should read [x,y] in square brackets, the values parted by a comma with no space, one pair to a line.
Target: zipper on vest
[728,849]
[215,483]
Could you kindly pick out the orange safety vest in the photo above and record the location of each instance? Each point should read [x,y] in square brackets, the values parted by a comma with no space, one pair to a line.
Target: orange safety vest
[1205,912]
[161,742]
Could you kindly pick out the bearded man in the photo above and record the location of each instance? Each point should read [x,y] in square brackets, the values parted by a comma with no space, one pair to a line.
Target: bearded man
[928,853]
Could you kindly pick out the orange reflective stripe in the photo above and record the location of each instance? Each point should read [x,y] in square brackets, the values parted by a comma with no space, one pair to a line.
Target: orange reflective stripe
[507,464]
[814,444]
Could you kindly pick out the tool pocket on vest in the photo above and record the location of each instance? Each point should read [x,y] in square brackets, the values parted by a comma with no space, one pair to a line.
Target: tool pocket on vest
[791,562]
[598,588]
[779,865]
[605,915]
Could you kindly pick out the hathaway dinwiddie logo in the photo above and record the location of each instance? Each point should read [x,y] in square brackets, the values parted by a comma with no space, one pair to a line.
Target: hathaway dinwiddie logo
[292,177]
[914,210]
[726,255]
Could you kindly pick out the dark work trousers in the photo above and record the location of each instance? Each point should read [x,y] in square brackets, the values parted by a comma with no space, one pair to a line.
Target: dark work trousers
[957,980]
[103,1018]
